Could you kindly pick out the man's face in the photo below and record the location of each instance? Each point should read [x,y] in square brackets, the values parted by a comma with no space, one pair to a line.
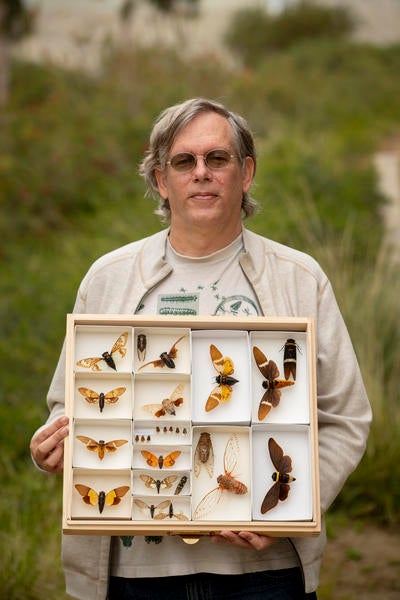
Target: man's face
[203,197]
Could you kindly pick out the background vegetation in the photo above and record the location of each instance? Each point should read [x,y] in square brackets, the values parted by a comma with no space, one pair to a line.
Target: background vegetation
[69,191]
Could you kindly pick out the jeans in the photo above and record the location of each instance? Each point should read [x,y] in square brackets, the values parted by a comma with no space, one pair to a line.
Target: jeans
[284,584]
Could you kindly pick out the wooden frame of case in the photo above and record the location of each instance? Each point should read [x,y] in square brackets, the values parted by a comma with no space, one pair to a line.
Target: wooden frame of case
[192,529]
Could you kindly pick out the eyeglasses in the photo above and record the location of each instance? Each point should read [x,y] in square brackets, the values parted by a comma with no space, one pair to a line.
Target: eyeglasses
[213,159]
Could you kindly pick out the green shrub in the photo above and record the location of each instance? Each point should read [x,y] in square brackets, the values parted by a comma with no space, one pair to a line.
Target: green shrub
[253,33]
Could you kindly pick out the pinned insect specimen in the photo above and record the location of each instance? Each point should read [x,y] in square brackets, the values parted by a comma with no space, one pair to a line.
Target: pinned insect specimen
[107,357]
[161,461]
[166,358]
[226,482]
[168,405]
[101,447]
[271,384]
[153,509]
[204,454]
[225,367]
[158,484]
[171,513]
[101,499]
[181,485]
[101,399]
[141,345]
[290,358]
[280,489]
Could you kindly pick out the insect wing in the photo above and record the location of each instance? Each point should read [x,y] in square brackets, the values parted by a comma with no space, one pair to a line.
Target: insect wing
[284,489]
[120,345]
[231,454]
[271,498]
[90,395]
[174,350]
[275,452]
[207,503]
[89,495]
[151,458]
[114,395]
[90,363]
[222,364]
[160,507]
[261,361]
[155,409]
[221,393]
[114,496]
[169,460]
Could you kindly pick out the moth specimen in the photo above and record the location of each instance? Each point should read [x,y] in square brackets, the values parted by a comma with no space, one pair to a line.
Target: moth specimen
[156,511]
[158,484]
[100,398]
[226,482]
[204,455]
[281,488]
[107,357]
[141,345]
[101,499]
[223,390]
[168,405]
[290,358]
[166,358]
[171,513]
[160,461]
[271,384]
[101,447]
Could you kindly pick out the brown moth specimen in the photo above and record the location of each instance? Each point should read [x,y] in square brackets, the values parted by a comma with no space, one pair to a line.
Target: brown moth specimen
[141,345]
[281,488]
[101,499]
[166,358]
[101,447]
[107,357]
[290,358]
[226,482]
[204,455]
[161,461]
[271,384]
[154,510]
[100,398]
[158,484]
[171,513]
[168,405]
[224,367]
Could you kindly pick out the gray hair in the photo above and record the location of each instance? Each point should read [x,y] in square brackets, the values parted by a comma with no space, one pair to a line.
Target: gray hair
[167,126]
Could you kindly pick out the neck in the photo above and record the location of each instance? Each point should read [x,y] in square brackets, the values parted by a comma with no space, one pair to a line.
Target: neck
[202,242]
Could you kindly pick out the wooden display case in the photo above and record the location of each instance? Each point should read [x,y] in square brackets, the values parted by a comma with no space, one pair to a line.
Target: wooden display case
[171,422]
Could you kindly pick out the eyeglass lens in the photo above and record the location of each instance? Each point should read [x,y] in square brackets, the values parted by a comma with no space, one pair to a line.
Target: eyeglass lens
[214,159]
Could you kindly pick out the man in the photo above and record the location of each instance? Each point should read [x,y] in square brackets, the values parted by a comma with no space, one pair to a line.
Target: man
[200,164]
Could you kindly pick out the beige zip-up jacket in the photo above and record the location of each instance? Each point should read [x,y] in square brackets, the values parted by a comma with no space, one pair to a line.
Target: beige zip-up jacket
[287,283]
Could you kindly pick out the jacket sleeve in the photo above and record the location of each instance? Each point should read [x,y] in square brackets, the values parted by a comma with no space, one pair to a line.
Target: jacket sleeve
[344,412]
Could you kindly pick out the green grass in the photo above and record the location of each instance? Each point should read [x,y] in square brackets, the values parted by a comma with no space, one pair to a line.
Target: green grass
[69,191]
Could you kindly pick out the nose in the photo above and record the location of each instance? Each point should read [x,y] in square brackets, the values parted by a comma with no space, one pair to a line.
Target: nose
[200,170]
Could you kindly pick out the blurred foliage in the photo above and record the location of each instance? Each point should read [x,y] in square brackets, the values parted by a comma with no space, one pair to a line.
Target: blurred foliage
[254,33]
[70,145]
[16,18]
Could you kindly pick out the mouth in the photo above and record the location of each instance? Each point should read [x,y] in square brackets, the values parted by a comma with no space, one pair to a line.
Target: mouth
[204,196]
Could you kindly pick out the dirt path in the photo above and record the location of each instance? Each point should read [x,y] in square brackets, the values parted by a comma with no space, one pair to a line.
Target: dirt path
[362,562]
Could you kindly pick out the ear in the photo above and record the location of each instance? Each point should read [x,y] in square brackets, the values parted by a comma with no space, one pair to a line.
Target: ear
[161,178]
[248,173]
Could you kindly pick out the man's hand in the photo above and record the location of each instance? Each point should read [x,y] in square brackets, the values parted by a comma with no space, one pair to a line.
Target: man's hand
[244,539]
[47,446]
